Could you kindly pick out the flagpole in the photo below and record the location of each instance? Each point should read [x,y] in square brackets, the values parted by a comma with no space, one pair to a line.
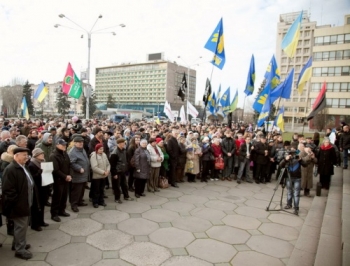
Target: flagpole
[243,106]
[188,91]
[204,116]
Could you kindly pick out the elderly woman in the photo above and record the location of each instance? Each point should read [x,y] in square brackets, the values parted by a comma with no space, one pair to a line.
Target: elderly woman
[308,156]
[192,164]
[217,152]
[326,159]
[134,144]
[142,168]
[207,159]
[157,158]
[100,170]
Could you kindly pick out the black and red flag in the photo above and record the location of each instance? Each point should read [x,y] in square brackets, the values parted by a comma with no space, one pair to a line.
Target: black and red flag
[320,102]
[183,88]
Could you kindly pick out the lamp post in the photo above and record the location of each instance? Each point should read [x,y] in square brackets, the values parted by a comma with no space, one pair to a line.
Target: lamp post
[87,89]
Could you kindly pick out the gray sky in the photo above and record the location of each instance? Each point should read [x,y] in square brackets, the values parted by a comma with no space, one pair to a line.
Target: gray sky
[31,48]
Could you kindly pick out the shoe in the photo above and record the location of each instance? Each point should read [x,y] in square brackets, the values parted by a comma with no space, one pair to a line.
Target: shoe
[131,190]
[48,204]
[137,196]
[44,224]
[95,205]
[118,201]
[229,179]
[222,179]
[296,212]
[64,214]
[216,179]
[151,191]
[102,204]
[28,246]
[287,207]
[143,195]
[75,209]
[257,181]
[38,228]
[345,167]
[82,204]
[129,199]
[173,185]
[56,219]
[24,256]
[211,179]
[105,197]
[238,181]
[249,181]
[157,190]
[263,182]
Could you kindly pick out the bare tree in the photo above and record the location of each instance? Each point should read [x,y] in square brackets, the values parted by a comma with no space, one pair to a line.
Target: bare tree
[17,81]
[12,98]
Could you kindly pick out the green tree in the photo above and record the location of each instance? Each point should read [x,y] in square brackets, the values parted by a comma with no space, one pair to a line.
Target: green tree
[92,105]
[62,103]
[110,101]
[27,93]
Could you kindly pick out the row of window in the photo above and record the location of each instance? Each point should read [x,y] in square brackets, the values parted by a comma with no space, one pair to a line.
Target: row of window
[296,59]
[295,109]
[332,39]
[335,103]
[332,87]
[330,71]
[138,68]
[331,55]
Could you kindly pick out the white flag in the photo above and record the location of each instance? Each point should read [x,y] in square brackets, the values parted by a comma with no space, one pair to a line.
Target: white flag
[168,112]
[191,110]
[182,115]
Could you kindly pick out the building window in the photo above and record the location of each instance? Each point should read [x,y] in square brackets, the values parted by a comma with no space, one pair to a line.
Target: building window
[306,50]
[331,71]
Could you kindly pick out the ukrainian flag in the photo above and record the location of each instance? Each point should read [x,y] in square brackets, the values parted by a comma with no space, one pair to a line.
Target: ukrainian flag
[249,88]
[234,103]
[212,103]
[24,108]
[279,121]
[265,110]
[290,41]
[216,45]
[225,101]
[218,96]
[304,76]
[41,92]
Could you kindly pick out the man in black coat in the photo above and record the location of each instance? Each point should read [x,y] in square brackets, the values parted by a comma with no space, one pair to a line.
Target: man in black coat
[228,146]
[344,145]
[244,161]
[98,139]
[61,179]
[261,159]
[173,150]
[18,189]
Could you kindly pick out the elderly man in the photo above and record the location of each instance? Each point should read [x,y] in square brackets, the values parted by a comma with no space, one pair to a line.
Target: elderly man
[173,150]
[22,141]
[18,189]
[5,141]
[79,171]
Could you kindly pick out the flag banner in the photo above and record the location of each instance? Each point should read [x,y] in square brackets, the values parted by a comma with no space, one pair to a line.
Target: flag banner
[24,108]
[225,101]
[304,75]
[207,92]
[168,112]
[215,44]
[234,103]
[284,89]
[279,121]
[260,100]
[320,103]
[212,104]
[158,119]
[249,88]
[191,110]
[41,92]
[71,84]
[182,115]
[265,111]
[183,88]
[218,95]
[290,40]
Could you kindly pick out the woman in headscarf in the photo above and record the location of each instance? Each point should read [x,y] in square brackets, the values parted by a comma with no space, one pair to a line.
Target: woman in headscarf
[217,152]
[142,168]
[41,192]
[193,154]
[156,161]
[326,159]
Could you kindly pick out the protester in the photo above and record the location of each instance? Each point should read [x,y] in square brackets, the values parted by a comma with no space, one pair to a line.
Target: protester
[326,160]
[157,158]
[142,168]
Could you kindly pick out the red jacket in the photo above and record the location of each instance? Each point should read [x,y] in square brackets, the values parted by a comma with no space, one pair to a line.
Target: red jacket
[216,149]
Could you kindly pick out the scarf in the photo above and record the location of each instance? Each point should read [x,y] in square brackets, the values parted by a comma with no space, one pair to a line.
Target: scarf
[37,162]
[325,148]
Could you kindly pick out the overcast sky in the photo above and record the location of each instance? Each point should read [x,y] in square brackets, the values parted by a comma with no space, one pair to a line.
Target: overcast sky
[31,48]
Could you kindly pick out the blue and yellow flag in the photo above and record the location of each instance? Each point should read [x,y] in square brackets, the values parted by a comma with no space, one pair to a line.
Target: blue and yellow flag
[24,108]
[212,103]
[225,101]
[41,92]
[218,96]
[290,40]
[304,76]
[284,89]
[249,88]
[216,45]
[234,103]
[279,121]
[157,120]
[265,110]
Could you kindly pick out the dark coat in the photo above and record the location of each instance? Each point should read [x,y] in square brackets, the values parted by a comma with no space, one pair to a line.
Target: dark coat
[31,144]
[260,153]
[142,163]
[182,157]
[118,161]
[93,144]
[326,159]
[61,165]
[243,151]
[207,153]
[173,148]
[78,126]
[344,141]
[15,191]
[228,145]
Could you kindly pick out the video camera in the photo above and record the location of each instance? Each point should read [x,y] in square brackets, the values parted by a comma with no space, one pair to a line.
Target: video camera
[293,153]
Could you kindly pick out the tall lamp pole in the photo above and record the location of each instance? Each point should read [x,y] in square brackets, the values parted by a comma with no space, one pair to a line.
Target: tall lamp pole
[87,89]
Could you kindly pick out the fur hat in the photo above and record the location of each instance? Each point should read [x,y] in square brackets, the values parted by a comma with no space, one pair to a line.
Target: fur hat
[36,152]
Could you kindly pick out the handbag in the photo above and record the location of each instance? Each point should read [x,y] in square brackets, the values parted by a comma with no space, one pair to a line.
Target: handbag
[189,167]
[219,163]
[163,182]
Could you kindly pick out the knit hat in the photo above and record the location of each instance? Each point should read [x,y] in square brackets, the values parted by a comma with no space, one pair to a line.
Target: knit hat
[36,152]
[159,140]
[75,118]
[98,146]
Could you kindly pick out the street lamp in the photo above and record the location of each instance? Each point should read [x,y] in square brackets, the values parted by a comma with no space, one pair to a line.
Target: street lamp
[87,90]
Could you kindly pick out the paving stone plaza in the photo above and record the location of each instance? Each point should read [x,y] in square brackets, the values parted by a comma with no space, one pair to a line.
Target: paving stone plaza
[218,223]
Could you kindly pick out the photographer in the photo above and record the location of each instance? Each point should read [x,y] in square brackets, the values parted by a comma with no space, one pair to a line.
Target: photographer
[309,157]
[292,163]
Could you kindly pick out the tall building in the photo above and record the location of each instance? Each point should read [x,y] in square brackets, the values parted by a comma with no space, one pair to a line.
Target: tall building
[329,46]
[144,86]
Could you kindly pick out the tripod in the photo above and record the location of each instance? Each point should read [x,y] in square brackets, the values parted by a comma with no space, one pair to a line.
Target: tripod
[281,181]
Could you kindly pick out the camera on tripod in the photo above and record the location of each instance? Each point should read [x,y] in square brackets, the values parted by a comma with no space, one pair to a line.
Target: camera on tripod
[293,154]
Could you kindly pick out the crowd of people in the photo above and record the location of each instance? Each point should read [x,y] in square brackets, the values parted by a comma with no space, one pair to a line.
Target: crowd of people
[134,157]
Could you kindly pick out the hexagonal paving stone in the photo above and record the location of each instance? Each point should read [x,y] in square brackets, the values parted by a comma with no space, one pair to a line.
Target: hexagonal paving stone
[137,226]
[230,198]
[193,199]
[211,250]
[192,224]
[240,192]
[221,205]
[267,197]
[260,204]
[185,261]
[228,234]
[208,214]
[144,253]
[252,258]
[112,262]
[74,254]
[81,227]
[252,212]
[160,215]
[285,219]
[167,193]
[216,188]
[242,222]
[109,216]
[152,199]
[178,206]
[133,207]
[47,240]
[172,237]
[205,193]
[270,246]
[279,231]
[106,239]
